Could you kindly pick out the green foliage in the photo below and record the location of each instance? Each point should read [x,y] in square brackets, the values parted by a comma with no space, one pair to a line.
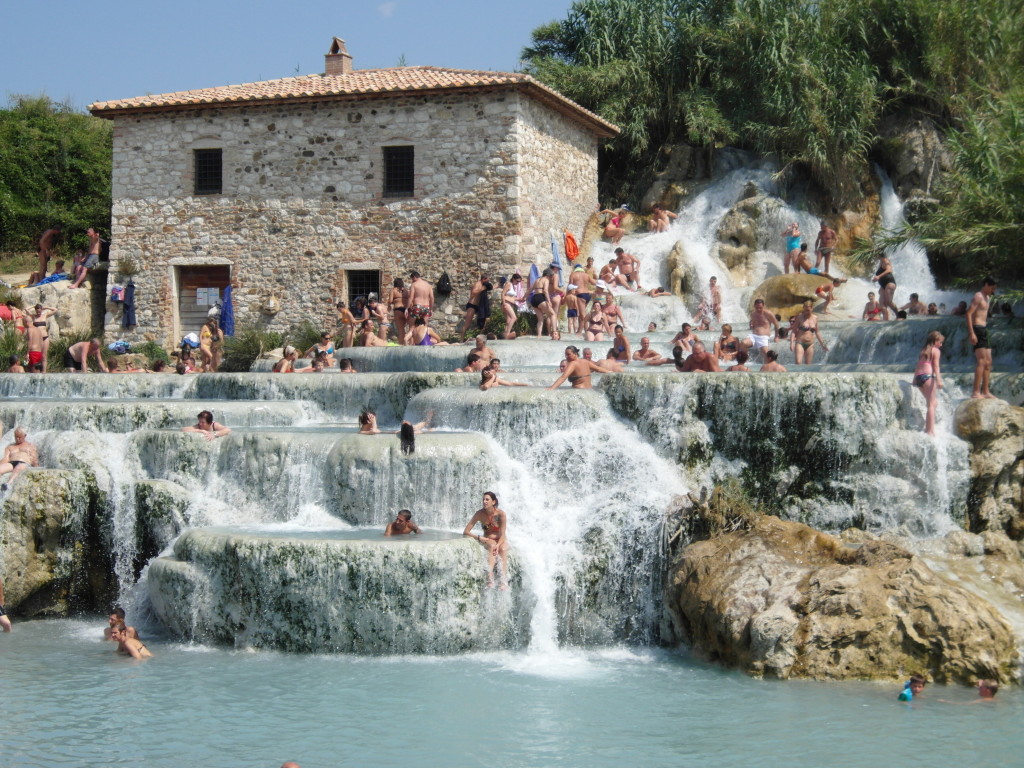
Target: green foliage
[808,81]
[303,336]
[152,352]
[11,343]
[247,345]
[54,169]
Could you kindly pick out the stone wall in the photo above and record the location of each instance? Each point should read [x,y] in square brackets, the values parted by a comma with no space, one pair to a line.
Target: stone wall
[302,199]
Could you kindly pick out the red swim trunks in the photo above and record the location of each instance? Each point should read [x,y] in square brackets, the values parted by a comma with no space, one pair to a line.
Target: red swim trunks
[35,357]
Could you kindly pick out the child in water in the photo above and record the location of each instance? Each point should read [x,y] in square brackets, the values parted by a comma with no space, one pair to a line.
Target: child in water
[913,689]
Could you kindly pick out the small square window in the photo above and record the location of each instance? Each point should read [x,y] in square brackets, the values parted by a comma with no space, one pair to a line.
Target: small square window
[209,171]
[399,172]
[363,282]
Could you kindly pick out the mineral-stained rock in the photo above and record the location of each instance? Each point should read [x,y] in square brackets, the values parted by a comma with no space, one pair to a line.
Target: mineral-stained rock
[52,559]
[915,152]
[995,431]
[785,294]
[784,600]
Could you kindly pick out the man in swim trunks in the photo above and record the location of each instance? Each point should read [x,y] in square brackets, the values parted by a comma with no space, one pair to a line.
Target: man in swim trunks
[4,621]
[473,306]
[486,353]
[715,293]
[977,329]
[402,524]
[699,361]
[761,334]
[629,269]
[37,335]
[824,244]
[421,298]
[18,456]
[76,358]
[207,427]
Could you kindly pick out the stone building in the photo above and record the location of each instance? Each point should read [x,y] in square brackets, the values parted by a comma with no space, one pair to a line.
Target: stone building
[306,191]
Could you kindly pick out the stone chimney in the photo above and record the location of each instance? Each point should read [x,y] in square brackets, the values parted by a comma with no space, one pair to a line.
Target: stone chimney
[337,61]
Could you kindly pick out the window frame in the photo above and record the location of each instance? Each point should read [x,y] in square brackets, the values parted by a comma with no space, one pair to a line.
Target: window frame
[201,174]
[398,182]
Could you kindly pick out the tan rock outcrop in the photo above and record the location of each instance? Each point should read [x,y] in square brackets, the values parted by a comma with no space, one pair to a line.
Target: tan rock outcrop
[995,430]
[784,600]
[785,294]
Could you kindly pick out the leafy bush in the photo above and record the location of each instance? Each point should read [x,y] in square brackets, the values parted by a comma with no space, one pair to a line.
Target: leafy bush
[152,352]
[247,346]
[11,343]
[303,336]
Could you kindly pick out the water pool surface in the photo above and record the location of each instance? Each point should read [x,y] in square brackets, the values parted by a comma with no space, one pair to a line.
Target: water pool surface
[69,700]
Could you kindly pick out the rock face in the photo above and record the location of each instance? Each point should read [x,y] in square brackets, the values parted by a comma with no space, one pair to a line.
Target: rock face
[50,540]
[79,310]
[784,600]
[737,232]
[785,294]
[915,152]
[995,431]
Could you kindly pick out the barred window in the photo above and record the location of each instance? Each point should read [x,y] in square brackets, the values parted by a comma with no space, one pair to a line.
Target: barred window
[363,282]
[208,171]
[399,172]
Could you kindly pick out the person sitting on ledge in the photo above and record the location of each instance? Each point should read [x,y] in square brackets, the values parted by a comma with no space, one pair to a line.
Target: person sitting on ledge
[207,427]
[367,337]
[345,365]
[489,378]
[368,423]
[699,361]
[474,364]
[422,335]
[18,456]
[14,364]
[402,524]
[741,363]
[772,365]
[128,645]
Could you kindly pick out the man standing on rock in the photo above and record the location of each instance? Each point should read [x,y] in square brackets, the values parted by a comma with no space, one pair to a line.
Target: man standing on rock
[421,298]
[824,244]
[977,329]
[473,309]
[629,268]
[37,336]
[761,323]
[47,242]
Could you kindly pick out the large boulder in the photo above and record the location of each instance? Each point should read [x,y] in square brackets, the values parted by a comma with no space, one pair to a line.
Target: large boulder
[785,294]
[784,600]
[737,233]
[79,310]
[995,431]
[682,164]
[53,561]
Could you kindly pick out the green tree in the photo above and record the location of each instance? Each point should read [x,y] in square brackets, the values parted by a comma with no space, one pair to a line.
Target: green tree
[54,169]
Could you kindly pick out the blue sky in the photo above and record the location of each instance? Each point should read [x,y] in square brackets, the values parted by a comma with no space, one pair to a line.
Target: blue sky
[110,49]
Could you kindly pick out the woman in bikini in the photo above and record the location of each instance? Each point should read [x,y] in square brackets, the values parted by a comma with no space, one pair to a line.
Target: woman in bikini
[129,646]
[685,339]
[577,370]
[613,227]
[509,301]
[396,303]
[540,300]
[927,377]
[596,324]
[494,523]
[727,345]
[325,347]
[873,310]
[802,339]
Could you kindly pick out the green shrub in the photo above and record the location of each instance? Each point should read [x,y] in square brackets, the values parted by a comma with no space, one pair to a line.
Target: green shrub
[247,346]
[152,352]
[11,343]
[303,336]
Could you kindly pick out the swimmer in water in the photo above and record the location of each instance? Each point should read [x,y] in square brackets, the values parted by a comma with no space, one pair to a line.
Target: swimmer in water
[402,524]
[129,646]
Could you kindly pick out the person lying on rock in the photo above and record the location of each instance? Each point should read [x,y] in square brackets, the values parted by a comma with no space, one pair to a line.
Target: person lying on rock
[402,524]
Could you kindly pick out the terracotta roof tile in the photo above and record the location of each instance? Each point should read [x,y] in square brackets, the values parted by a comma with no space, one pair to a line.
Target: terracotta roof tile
[368,82]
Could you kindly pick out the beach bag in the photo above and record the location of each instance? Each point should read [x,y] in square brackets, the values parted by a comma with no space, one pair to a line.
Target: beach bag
[444,285]
[117,293]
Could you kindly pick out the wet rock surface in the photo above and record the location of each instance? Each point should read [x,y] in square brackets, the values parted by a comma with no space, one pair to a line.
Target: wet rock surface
[995,431]
[784,600]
